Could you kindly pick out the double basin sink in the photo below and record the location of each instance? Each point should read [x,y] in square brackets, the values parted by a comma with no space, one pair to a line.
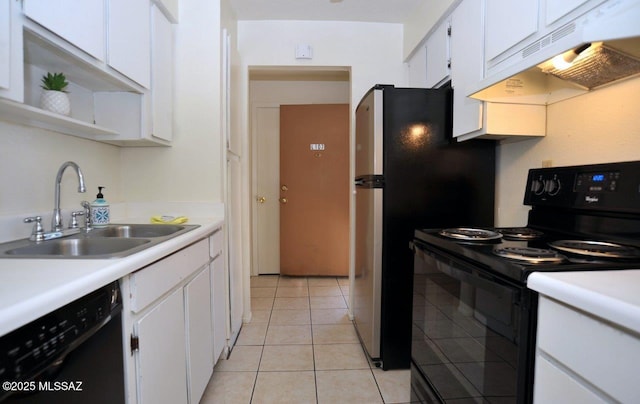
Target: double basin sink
[114,241]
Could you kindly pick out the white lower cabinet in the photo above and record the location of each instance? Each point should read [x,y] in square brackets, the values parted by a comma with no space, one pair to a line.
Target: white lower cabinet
[197,298]
[161,366]
[218,307]
[581,358]
[175,324]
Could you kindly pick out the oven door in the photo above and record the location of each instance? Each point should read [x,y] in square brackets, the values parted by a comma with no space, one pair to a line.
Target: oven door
[472,332]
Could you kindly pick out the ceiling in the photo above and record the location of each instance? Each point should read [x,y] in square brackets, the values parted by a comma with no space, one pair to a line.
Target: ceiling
[388,11]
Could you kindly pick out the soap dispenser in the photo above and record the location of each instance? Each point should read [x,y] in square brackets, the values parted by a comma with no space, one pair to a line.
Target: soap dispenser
[99,210]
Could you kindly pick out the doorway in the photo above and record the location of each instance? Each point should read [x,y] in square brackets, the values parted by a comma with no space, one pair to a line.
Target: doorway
[269,89]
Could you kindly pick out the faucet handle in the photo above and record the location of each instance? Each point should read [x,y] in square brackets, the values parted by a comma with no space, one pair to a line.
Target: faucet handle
[74,221]
[87,215]
[37,234]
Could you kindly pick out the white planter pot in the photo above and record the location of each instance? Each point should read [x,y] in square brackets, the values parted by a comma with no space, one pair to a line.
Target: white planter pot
[55,101]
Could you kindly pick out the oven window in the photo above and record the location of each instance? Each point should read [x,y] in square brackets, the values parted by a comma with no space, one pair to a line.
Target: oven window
[465,332]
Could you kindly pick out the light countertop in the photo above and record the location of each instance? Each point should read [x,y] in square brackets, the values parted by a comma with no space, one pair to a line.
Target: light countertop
[31,288]
[610,295]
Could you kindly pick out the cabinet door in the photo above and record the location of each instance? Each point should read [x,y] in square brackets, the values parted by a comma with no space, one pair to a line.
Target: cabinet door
[199,334]
[438,55]
[161,364]
[80,22]
[467,61]
[219,307]
[161,75]
[555,9]
[130,39]
[5,44]
[507,23]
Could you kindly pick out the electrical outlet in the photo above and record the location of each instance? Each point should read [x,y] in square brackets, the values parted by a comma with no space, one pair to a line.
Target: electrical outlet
[547,163]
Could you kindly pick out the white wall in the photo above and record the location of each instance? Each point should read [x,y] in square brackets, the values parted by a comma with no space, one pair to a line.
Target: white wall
[598,127]
[372,50]
[190,170]
[29,161]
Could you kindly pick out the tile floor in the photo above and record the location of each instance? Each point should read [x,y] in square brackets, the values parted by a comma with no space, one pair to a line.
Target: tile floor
[300,347]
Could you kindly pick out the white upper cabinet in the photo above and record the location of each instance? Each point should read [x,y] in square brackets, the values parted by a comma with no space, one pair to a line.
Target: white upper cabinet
[466,65]
[473,118]
[507,23]
[5,44]
[556,9]
[162,63]
[437,57]
[82,23]
[11,66]
[129,39]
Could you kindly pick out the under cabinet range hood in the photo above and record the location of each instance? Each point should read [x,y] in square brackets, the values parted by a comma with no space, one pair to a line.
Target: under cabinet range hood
[596,49]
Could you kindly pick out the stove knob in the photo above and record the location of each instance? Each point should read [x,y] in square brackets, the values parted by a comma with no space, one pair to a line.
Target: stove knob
[537,187]
[553,186]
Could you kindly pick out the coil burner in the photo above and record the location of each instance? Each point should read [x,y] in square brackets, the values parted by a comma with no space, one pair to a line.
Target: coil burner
[520,233]
[470,234]
[600,249]
[529,255]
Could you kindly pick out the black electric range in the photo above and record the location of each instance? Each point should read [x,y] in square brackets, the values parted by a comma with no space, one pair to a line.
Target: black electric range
[515,252]
[474,320]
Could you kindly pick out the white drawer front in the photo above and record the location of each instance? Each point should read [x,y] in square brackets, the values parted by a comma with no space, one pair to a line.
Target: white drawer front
[151,282]
[216,243]
[599,352]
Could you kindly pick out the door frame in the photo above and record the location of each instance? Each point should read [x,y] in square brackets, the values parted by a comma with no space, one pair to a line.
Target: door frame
[254,182]
[308,74]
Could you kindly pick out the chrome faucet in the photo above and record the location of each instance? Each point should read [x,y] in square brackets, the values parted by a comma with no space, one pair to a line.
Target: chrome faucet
[56,221]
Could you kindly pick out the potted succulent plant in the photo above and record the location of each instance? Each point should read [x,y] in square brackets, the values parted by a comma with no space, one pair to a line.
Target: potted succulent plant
[54,98]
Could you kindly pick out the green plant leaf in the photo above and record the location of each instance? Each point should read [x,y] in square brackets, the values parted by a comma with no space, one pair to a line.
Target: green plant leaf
[54,82]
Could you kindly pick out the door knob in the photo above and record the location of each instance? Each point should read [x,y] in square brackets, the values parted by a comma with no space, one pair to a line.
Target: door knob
[283,200]
[261,199]
[284,188]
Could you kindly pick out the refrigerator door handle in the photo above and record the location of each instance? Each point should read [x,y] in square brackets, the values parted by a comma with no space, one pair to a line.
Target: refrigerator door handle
[370,181]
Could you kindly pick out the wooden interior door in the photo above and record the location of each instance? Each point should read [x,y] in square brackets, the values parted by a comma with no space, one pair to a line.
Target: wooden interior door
[314,189]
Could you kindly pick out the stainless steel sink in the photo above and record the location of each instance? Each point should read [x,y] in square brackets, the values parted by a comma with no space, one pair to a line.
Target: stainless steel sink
[114,241]
[79,247]
[139,230]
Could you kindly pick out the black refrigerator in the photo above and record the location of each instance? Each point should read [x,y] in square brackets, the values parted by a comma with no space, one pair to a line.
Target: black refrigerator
[410,174]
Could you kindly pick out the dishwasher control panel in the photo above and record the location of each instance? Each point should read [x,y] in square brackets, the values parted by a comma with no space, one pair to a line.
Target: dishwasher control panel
[34,348]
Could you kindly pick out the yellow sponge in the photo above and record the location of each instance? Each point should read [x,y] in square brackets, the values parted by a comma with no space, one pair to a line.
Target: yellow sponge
[169,219]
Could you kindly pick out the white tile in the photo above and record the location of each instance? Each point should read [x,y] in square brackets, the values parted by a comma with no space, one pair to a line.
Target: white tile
[242,359]
[288,334]
[291,303]
[252,334]
[395,385]
[297,291]
[290,317]
[329,302]
[285,387]
[264,281]
[347,386]
[286,358]
[229,388]
[330,316]
[325,291]
[339,357]
[334,334]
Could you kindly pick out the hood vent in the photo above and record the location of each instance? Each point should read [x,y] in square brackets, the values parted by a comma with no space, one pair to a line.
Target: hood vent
[596,66]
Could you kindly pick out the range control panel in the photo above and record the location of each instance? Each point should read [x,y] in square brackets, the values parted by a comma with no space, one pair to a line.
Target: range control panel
[607,187]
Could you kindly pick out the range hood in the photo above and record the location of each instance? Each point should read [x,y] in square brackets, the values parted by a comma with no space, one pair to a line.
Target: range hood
[601,46]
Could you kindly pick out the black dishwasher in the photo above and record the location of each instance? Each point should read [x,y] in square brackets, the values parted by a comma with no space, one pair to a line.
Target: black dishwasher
[71,355]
